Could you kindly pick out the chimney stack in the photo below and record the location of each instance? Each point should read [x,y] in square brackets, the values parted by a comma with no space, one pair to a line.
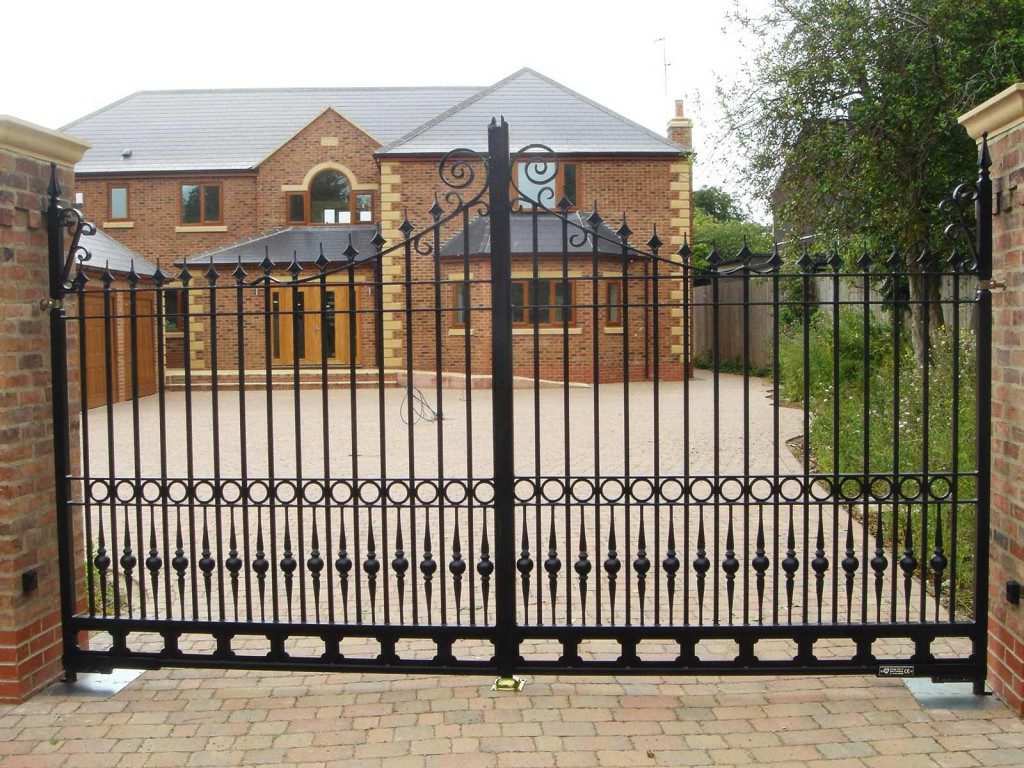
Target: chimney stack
[680,128]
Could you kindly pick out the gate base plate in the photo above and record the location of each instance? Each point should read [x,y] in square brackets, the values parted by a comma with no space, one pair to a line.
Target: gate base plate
[508,684]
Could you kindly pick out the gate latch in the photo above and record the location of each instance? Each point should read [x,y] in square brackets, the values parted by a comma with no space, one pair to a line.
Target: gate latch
[46,305]
[991,285]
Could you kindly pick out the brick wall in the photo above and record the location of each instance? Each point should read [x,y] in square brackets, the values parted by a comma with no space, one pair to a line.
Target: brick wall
[30,635]
[1003,118]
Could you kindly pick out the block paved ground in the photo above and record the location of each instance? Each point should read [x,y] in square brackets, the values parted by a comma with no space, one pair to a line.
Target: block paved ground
[202,718]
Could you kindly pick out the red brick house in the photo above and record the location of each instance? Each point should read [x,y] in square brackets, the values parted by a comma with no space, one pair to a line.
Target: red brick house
[230,177]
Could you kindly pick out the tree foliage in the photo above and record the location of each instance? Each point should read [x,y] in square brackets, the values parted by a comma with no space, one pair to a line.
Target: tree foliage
[717,203]
[847,111]
[728,236]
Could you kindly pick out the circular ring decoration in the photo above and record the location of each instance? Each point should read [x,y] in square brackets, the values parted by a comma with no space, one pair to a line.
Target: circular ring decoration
[285,492]
[910,488]
[121,494]
[850,488]
[530,489]
[880,488]
[177,491]
[455,492]
[581,490]
[231,491]
[726,488]
[552,497]
[431,487]
[483,492]
[99,491]
[151,491]
[374,494]
[940,487]
[671,490]
[791,489]
[397,492]
[610,496]
[701,489]
[204,492]
[345,495]
[645,492]
[258,492]
[313,492]
[821,489]
[761,489]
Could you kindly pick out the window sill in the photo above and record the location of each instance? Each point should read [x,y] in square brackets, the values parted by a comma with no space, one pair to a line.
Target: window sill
[461,331]
[118,224]
[174,334]
[202,228]
[614,330]
[548,330]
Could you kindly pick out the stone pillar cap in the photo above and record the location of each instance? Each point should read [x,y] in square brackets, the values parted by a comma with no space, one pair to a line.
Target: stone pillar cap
[997,115]
[25,138]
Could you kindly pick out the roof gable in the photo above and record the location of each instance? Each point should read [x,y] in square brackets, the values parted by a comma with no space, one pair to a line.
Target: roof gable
[538,110]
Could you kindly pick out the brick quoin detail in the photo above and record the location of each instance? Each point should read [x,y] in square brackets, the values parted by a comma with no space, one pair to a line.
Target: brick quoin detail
[30,630]
[1003,118]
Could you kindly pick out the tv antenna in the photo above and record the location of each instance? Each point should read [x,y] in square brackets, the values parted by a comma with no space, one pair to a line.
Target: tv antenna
[665,64]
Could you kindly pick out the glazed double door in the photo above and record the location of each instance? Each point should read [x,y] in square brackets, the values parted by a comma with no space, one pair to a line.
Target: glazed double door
[310,324]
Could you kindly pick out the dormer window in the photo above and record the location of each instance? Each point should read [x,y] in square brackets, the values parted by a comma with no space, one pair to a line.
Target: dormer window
[330,200]
[538,182]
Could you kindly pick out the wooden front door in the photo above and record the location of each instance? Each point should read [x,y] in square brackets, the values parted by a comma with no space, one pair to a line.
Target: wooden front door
[304,329]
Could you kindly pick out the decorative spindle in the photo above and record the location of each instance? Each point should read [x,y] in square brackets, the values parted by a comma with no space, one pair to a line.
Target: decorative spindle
[288,565]
[102,563]
[399,564]
[153,565]
[730,565]
[179,564]
[485,568]
[428,567]
[612,565]
[701,565]
[582,567]
[315,564]
[760,563]
[850,563]
[552,565]
[233,564]
[938,561]
[343,565]
[371,565]
[260,566]
[879,563]
[128,562]
[790,565]
[641,565]
[908,564]
[671,562]
[206,565]
[525,567]
[457,568]
[820,563]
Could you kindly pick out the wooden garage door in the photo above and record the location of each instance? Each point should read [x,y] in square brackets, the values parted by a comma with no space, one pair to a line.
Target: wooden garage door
[146,342]
[96,350]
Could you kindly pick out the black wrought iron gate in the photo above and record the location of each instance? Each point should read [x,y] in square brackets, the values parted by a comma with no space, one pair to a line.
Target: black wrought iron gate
[487,448]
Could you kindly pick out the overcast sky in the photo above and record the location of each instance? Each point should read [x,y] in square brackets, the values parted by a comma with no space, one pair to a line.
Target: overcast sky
[84,55]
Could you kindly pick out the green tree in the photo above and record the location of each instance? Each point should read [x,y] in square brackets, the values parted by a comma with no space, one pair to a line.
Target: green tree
[728,236]
[717,203]
[846,114]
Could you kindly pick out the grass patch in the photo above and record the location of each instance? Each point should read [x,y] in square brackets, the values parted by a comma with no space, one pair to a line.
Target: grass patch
[931,440]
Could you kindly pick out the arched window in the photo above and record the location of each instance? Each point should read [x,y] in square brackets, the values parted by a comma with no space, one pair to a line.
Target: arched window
[330,199]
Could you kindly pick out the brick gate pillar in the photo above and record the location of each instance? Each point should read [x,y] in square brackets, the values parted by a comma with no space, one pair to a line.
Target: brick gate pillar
[1002,117]
[30,632]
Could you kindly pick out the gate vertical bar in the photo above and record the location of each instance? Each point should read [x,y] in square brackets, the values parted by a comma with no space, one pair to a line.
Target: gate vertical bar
[506,644]
[66,561]
[983,211]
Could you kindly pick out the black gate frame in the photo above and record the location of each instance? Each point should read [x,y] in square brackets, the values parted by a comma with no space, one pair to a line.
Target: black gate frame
[506,634]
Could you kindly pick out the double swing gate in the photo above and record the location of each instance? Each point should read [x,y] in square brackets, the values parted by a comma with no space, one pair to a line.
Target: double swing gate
[515,468]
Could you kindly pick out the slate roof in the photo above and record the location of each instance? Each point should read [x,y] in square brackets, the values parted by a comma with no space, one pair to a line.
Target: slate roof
[213,130]
[304,242]
[237,129]
[549,236]
[109,253]
[538,110]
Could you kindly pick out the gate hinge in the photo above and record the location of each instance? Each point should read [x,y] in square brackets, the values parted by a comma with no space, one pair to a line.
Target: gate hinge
[47,304]
[991,285]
